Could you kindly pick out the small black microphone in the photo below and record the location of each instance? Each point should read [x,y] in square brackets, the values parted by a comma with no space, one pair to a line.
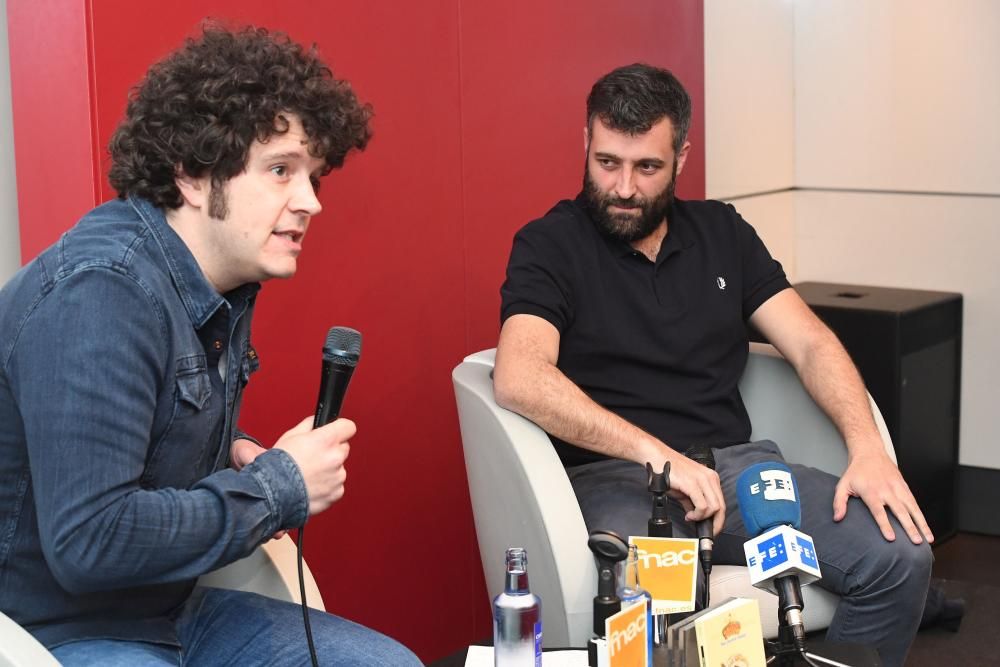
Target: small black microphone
[706,540]
[341,352]
[340,355]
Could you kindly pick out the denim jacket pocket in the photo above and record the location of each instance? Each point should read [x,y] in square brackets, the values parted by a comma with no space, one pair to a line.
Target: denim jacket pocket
[193,386]
[177,457]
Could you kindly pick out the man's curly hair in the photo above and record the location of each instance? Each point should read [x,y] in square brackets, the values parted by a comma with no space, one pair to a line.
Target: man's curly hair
[203,106]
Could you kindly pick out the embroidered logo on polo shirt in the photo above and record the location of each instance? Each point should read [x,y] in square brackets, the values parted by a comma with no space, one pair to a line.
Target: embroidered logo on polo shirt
[721,282]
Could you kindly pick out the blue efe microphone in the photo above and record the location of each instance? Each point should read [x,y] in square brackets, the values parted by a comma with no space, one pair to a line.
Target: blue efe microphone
[780,558]
[768,497]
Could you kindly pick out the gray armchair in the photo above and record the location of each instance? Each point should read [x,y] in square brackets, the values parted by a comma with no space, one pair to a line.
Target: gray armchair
[521,495]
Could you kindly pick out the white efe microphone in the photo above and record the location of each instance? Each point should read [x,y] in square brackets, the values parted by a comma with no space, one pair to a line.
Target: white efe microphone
[780,558]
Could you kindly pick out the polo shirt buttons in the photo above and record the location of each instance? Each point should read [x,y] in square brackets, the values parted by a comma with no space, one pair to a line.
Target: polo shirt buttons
[217,345]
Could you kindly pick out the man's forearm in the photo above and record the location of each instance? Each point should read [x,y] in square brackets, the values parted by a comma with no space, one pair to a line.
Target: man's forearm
[537,389]
[833,381]
[543,394]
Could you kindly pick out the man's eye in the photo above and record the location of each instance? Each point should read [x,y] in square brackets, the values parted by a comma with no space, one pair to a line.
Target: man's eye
[648,168]
[279,170]
[315,183]
[607,164]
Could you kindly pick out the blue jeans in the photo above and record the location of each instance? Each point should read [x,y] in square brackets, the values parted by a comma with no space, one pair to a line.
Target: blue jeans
[883,584]
[223,627]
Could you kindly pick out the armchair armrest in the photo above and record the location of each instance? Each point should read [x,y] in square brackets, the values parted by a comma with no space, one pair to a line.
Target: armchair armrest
[18,648]
[270,570]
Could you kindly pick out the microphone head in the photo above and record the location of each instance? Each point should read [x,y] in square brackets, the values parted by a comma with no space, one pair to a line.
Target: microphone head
[768,496]
[342,346]
[701,454]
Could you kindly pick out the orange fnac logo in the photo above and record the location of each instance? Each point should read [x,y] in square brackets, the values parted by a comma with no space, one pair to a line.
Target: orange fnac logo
[667,567]
[627,639]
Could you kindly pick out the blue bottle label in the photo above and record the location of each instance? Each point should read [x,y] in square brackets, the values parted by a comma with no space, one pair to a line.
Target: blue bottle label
[538,644]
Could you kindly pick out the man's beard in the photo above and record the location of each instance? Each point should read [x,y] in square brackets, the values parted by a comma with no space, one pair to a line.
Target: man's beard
[218,202]
[624,226]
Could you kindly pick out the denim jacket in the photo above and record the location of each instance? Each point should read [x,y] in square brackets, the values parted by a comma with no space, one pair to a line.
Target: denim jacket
[121,375]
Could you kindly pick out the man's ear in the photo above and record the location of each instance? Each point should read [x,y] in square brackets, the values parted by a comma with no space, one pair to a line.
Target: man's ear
[586,141]
[683,156]
[194,191]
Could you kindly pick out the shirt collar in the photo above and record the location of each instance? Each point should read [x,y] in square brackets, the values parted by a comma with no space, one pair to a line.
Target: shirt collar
[199,297]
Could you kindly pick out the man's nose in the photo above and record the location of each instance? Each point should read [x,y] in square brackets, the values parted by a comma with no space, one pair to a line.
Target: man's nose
[305,200]
[625,187]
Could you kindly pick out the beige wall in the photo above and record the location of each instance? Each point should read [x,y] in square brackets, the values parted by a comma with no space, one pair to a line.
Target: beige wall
[750,115]
[10,254]
[895,95]
[898,94]
[749,101]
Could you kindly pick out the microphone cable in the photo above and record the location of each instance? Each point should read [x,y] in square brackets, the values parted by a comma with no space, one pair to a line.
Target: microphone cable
[302,594]
[819,661]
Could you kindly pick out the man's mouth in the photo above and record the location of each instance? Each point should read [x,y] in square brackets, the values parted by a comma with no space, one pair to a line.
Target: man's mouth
[291,235]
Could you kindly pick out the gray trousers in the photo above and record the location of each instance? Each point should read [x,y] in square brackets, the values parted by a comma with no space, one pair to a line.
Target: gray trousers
[883,584]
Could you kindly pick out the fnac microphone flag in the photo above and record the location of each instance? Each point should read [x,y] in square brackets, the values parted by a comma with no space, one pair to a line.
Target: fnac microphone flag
[768,497]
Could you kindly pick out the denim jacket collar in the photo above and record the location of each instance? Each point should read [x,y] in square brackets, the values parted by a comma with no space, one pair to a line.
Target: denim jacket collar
[200,298]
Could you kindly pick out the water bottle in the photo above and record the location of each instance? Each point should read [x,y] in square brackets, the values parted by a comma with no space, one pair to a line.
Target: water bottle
[631,592]
[517,617]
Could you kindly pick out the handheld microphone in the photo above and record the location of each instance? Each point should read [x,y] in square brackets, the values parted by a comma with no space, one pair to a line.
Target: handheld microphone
[706,540]
[341,353]
[780,558]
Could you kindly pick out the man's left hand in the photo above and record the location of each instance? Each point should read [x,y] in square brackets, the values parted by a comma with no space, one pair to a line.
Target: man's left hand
[876,480]
[242,453]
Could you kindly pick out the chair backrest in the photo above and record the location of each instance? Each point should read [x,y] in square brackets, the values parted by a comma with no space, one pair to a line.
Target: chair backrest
[780,409]
[521,495]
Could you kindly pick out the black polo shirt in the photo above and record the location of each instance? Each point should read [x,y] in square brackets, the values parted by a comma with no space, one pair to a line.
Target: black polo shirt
[662,344]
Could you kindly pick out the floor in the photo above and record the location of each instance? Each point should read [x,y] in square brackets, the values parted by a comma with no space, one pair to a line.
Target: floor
[966,566]
[969,557]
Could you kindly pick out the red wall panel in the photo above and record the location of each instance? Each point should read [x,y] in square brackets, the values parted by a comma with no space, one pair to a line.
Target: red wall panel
[478,128]
[53,134]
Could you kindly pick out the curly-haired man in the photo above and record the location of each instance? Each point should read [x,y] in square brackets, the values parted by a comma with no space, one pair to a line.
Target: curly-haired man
[124,352]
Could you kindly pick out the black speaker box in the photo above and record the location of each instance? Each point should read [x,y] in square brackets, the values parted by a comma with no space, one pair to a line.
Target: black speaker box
[907,345]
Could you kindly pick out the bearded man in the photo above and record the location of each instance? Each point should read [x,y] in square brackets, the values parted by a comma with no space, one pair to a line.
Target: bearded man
[624,335]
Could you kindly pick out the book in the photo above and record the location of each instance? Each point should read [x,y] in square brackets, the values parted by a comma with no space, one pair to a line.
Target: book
[675,634]
[729,636]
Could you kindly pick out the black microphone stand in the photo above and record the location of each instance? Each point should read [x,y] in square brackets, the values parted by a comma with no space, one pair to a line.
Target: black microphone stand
[789,645]
[790,648]
[609,549]
[659,483]
[659,525]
